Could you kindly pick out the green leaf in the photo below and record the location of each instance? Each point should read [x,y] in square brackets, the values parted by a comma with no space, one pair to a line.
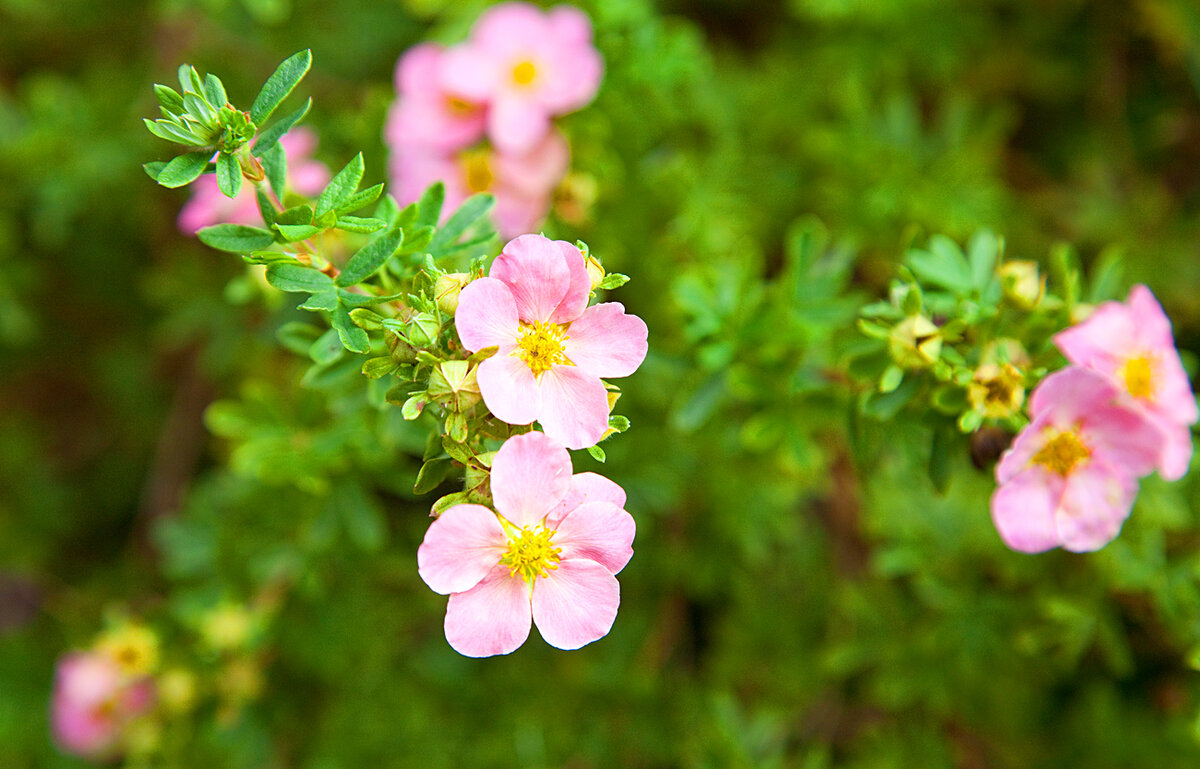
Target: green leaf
[362,226]
[322,300]
[235,238]
[375,368]
[168,97]
[360,199]
[983,252]
[416,240]
[327,348]
[365,522]
[891,379]
[597,453]
[351,299]
[353,337]
[274,163]
[429,207]
[294,277]
[295,232]
[266,208]
[229,175]
[613,280]
[341,186]
[154,168]
[214,91]
[450,500]
[268,138]
[472,210]
[183,169]
[431,475]
[370,257]
[942,265]
[301,214]
[279,85]
[459,451]
[618,423]
[298,337]
[173,132]
[365,319]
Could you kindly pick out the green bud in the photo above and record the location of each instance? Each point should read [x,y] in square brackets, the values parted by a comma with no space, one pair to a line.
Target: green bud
[401,351]
[914,342]
[446,289]
[454,382]
[423,329]
[1022,284]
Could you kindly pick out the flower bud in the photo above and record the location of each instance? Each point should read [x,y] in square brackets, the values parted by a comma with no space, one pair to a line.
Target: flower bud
[446,289]
[997,390]
[1021,283]
[401,351]
[455,382]
[914,342]
[134,647]
[423,329]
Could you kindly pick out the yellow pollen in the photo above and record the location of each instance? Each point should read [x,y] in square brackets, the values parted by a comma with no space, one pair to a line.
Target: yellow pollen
[531,552]
[524,73]
[1138,374]
[477,171]
[540,346]
[1061,453]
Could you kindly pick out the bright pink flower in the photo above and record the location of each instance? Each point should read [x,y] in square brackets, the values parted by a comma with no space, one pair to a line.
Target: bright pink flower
[1071,475]
[1133,344]
[93,703]
[208,205]
[425,114]
[553,348]
[523,185]
[528,66]
[549,557]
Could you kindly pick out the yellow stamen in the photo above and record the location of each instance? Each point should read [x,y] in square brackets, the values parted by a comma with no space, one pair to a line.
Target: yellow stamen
[531,552]
[1138,374]
[540,346]
[1062,453]
[524,73]
[477,171]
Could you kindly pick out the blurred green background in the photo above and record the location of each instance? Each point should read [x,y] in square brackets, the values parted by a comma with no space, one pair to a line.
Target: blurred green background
[801,596]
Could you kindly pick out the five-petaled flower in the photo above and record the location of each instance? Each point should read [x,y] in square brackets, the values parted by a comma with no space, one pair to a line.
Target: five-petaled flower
[552,348]
[94,702]
[1132,343]
[1070,477]
[548,555]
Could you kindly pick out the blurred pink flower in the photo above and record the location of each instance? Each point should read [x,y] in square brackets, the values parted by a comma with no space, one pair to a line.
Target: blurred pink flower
[1132,343]
[1070,477]
[425,114]
[208,206]
[549,557]
[93,703]
[527,66]
[523,185]
[553,348]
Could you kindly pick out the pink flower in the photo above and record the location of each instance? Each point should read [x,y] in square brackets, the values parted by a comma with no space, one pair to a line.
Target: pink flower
[208,206]
[426,114]
[549,557]
[1071,475]
[93,703]
[528,66]
[552,348]
[522,184]
[1132,343]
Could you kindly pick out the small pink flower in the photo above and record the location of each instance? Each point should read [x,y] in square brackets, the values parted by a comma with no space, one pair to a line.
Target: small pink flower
[528,66]
[553,348]
[425,114]
[1132,343]
[208,205]
[1070,477]
[93,703]
[523,185]
[549,556]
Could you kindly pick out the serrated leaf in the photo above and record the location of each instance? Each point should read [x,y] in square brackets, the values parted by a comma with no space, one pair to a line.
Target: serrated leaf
[431,475]
[472,210]
[214,91]
[268,138]
[341,186]
[360,199]
[183,169]
[362,226]
[235,238]
[429,207]
[229,175]
[370,257]
[295,277]
[353,337]
[274,163]
[279,85]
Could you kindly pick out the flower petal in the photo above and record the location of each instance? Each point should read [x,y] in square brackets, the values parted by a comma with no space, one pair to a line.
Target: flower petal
[1070,394]
[1124,438]
[574,408]
[461,546]
[509,389]
[468,71]
[533,269]
[598,531]
[1027,443]
[579,288]
[586,487]
[1095,502]
[516,125]
[530,476]
[1023,510]
[491,618]
[607,342]
[1176,457]
[576,603]
[1150,322]
[486,315]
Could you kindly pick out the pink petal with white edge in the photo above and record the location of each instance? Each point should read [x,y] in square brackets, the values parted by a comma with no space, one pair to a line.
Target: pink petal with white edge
[530,476]
[509,388]
[461,546]
[597,531]
[586,487]
[486,315]
[1095,502]
[576,603]
[1123,437]
[574,406]
[580,287]
[517,124]
[607,342]
[491,618]
[1071,394]
[533,269]
[1023,510]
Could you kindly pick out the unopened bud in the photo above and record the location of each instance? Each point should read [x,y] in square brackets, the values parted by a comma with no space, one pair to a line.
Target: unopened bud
[595,271]
[446,289]
[423,329]
[454,381]
[1021,283]
[997,391]
[914,342]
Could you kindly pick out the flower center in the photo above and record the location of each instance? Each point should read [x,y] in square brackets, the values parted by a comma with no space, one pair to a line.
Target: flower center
[1061,453]
[460,107]
[540,346]
[477,171]
[531,552]
[1138,374]
[524,72]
